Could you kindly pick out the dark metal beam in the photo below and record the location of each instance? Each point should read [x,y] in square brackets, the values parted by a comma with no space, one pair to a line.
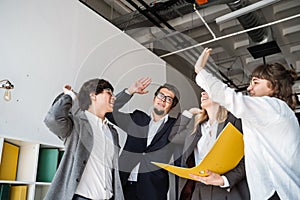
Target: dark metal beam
[148,8]
[228,81]
[145,13]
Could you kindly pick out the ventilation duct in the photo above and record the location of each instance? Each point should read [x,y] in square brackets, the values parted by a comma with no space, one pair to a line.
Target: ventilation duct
[250,20]
[167,10]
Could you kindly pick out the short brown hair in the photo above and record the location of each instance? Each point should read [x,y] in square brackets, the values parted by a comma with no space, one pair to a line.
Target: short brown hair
[282,81]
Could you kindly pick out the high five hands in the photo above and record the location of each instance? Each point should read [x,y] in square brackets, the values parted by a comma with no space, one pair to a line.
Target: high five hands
[202,60]
[140,85]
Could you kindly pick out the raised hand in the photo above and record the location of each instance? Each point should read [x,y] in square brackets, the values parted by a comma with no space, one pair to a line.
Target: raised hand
[202,60]
[140,85]
[67,88]
[195,111]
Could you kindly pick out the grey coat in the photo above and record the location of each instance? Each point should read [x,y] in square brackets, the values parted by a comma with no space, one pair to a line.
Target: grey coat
[77,135]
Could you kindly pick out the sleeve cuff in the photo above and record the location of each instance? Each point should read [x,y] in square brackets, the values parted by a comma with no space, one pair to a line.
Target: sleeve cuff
[187,114]
[72,94]
[226,182]
[127,92]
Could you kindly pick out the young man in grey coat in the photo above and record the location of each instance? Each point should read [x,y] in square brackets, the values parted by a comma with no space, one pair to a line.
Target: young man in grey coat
[89,167]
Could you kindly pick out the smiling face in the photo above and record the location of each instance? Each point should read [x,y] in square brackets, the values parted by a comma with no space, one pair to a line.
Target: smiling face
[107,100]
[205,100]
[162,102]
[102,103]
[260,87]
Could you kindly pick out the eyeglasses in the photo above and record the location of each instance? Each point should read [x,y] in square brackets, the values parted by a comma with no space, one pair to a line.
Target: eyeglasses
[163,97]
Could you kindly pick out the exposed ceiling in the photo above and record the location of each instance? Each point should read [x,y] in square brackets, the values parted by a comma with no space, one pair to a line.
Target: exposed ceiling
[177,31]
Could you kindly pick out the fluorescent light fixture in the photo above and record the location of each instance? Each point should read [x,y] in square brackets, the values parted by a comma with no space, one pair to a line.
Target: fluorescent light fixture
[244,10]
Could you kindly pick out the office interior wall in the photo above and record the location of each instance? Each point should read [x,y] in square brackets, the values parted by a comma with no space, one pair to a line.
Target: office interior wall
[46,44]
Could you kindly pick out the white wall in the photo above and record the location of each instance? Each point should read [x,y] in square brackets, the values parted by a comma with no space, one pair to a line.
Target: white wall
[46,44]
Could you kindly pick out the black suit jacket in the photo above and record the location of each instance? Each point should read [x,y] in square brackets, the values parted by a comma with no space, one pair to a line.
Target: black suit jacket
[237,177]
[153,182]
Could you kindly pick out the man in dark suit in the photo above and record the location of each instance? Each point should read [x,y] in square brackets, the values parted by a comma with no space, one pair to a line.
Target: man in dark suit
[147,141]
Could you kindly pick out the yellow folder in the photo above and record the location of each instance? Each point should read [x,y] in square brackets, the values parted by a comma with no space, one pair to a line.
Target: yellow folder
[224,155]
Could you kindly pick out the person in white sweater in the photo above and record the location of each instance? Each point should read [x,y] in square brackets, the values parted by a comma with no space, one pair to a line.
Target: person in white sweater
[271,129]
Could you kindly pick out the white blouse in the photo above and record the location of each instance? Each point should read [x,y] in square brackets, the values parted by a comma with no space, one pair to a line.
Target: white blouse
[207,140]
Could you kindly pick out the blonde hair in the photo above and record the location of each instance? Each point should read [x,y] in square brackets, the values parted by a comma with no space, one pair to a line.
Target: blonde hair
[222,114]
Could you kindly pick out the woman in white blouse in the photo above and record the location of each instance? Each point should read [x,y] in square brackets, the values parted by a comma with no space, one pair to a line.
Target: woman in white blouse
[271,129]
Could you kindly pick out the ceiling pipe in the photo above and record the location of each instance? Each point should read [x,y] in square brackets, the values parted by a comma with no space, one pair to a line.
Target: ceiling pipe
[158,13]
[234,5]
[157,21]
[164,11]
[242,11]
[249,20]
[204,22]
[232,34]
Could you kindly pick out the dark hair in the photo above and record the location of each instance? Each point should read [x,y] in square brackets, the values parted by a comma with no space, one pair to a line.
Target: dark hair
[281,80]
[173,89]
[92,86]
